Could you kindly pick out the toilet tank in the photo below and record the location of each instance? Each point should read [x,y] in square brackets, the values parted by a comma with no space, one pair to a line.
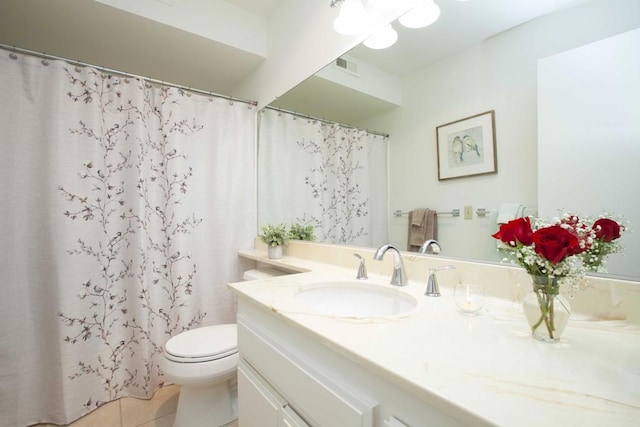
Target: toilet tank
[262,273]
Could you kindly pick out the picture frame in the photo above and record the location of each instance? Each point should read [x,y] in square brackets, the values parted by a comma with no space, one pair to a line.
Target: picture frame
[467,147]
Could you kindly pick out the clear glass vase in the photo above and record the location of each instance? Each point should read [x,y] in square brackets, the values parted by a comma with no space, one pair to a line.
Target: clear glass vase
[547,311]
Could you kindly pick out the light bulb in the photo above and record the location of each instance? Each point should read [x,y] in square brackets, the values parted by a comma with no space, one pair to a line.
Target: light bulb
[352,18]
[383,5]
[382,39]
[425,14]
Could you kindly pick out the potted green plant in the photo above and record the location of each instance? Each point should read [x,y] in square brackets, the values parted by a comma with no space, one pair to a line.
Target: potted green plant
[275,237]
[301,232]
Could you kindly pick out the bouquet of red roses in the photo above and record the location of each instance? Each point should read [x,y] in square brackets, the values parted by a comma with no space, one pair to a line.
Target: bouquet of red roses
[563,250]
[555,249]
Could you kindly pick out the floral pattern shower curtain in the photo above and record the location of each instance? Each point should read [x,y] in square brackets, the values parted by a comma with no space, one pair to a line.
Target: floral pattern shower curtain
[123,206]
[325,174]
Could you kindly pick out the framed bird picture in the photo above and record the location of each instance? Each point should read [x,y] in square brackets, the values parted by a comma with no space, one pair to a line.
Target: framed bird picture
[467,147]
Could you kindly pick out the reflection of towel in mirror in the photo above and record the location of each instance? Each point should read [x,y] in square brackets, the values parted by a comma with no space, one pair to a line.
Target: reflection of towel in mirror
[422,227]
[509,211]
[417,217]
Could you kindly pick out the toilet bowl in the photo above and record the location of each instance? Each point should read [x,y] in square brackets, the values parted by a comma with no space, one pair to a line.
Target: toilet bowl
[203,361]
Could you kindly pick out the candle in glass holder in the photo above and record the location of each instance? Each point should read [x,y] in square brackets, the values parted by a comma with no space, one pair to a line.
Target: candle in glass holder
[469,298]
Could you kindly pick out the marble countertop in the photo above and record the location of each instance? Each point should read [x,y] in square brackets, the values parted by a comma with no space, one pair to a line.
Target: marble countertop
[484,369]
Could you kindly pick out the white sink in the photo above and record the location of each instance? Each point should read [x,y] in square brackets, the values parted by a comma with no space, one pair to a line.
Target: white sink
[354,299]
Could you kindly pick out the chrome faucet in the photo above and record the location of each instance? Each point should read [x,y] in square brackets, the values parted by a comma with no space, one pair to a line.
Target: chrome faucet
[399,276]
[430,247]
[362,270]
[432,284]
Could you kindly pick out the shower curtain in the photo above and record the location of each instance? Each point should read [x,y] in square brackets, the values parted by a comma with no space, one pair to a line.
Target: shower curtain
[122,207]
[331,176]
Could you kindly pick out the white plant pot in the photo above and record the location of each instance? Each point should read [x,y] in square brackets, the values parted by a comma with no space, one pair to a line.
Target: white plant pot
[275,252]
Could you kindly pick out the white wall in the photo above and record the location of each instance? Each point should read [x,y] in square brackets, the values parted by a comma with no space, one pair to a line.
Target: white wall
[499,74]
[588,108]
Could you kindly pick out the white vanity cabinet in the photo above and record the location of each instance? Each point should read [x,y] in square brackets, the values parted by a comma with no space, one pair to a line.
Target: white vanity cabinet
[260,404]
[287,377]
[278,385]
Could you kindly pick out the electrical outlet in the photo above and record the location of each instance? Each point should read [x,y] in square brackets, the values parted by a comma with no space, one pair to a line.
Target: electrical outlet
[468,212]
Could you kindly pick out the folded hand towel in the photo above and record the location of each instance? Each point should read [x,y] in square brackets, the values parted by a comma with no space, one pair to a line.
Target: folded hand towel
[417,217]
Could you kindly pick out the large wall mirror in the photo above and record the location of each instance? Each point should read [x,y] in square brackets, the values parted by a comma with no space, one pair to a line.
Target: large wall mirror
[497,70]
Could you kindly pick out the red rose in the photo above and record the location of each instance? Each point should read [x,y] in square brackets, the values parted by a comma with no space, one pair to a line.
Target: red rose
[606,229]
[555,243]
[518,229]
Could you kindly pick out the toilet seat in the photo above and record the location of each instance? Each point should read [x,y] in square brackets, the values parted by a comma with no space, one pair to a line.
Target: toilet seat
[203,344]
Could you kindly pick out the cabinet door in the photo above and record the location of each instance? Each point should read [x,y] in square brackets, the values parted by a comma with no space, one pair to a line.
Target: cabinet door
[290,418]
[319,399]
[258,404]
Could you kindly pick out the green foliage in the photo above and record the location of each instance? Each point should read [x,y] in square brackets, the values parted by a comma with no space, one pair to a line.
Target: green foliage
[274,235]
[301,232]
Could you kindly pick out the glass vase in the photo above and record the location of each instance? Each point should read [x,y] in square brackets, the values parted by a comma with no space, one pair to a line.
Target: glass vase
[547,311]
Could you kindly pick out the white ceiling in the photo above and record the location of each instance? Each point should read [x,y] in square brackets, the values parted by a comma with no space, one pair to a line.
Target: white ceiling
[460,25]
[92,32]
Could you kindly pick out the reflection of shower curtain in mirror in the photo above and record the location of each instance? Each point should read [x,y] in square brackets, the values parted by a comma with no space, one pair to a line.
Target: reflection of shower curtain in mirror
[325,174]
[122,208]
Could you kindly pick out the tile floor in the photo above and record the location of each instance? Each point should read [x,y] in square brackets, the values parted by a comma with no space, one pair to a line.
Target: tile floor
[159,411]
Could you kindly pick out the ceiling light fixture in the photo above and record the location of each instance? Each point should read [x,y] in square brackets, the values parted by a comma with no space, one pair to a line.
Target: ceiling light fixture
[382,38]
[356,16]
[383,5]
[352,19]
[423,15]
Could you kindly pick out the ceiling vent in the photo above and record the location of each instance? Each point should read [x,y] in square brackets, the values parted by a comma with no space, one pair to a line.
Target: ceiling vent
[346,65]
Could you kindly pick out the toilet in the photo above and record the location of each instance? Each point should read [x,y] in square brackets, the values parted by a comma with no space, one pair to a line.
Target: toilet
[203,362]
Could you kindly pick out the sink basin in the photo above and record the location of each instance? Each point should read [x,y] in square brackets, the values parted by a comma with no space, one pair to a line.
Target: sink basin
[354,299]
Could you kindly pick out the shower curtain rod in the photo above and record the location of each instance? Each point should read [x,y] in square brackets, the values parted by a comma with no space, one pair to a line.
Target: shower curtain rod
[44,55]
[306,116]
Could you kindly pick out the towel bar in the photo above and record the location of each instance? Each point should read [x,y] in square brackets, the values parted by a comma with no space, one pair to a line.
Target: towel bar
[453,212]
[482,212]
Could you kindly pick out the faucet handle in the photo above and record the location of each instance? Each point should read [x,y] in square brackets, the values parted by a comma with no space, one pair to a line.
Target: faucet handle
[432,283]
[362,269]
[444,267]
